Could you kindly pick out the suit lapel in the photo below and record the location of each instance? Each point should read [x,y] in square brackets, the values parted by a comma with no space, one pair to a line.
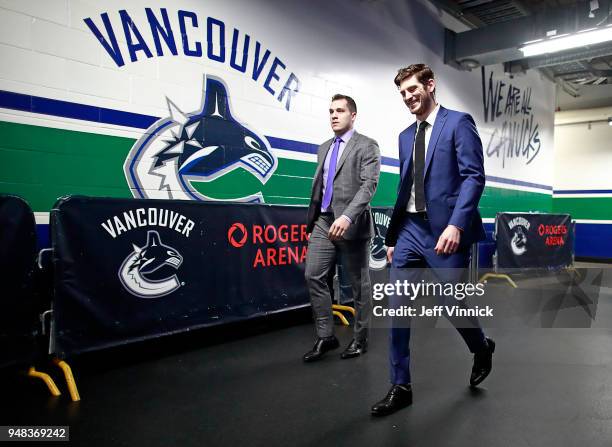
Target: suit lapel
[350,146]
[435,134]
[326,146]
[409,148]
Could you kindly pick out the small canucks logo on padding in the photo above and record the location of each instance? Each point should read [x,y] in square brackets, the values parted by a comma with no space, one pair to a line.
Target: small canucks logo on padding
[518,243]
[138,270]
[378,249]
[179,152]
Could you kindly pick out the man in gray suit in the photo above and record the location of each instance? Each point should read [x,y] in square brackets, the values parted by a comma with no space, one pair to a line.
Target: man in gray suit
[340,221]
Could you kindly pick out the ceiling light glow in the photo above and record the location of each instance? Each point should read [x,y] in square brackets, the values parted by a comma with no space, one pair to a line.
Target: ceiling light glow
[566,42]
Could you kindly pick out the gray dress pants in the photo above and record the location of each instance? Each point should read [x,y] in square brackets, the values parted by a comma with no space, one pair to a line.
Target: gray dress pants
[320,260]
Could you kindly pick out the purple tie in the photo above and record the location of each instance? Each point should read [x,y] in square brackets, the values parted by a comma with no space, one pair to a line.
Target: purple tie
[331,172]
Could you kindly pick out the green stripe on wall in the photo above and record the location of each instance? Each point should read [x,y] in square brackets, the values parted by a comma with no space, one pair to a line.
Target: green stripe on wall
[41,164]
[595,208]
[496,200]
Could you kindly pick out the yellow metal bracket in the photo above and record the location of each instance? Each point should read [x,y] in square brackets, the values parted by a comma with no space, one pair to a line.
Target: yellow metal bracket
[70,382]
[486,276]
[346,308]
[53,389]
[336,308]
[342,317]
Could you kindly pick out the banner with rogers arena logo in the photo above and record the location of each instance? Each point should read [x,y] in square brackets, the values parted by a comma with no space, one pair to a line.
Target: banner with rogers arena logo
[131,269]
[534,240]
[270,244]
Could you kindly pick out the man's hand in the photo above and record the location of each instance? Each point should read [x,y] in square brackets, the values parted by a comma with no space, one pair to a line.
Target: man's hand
[338,228]
[449,241]
[390,251]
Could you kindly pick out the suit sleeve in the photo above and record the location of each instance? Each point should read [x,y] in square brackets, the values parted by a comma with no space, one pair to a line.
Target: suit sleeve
[401,163]
[471,169]
[368,177]
[392,230]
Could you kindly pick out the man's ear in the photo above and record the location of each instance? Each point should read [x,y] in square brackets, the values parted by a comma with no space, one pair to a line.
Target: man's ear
[431,85]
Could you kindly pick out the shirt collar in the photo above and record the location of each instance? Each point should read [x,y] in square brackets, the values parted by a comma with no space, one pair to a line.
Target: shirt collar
[346,135]
[431,119]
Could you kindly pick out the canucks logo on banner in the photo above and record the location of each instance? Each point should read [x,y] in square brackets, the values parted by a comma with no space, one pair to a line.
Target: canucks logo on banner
[179,155]
[137,269]
[519,226]
[378,249]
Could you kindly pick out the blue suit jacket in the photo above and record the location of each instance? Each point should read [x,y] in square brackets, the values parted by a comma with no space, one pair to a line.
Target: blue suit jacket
[454,177]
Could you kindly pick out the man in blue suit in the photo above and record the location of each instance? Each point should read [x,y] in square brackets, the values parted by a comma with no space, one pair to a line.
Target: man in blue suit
[435,219]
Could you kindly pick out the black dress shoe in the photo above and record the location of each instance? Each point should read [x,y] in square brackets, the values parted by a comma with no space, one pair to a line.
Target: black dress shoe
[354,349]
[321,347]
[483,363]
[398,397]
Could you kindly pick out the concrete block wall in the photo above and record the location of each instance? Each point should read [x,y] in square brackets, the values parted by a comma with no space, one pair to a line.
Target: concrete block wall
[71,117]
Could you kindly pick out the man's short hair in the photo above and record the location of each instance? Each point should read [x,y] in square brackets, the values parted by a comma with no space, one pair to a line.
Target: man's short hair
[422,73]
[352,106]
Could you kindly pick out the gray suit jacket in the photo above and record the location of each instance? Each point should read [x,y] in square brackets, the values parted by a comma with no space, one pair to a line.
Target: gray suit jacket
[355,183]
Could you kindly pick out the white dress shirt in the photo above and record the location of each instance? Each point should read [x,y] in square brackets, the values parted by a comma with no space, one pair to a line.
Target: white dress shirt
[431,119]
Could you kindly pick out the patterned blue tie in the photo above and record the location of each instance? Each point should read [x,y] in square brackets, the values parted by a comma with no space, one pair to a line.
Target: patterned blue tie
[331,172]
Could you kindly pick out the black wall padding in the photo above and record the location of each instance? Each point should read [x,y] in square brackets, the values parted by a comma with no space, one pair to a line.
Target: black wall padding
[18,304]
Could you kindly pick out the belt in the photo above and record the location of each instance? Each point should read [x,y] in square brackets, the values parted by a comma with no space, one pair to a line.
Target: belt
[421,214]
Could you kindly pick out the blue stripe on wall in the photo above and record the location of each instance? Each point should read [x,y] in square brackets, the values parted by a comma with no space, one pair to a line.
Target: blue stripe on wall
[65,109]
[42,236]
[594,240]
[518,183]
[292,145]
[583,191]
[390,161]
[308,148]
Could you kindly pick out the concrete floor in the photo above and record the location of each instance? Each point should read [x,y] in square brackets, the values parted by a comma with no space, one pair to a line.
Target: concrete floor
[245,384]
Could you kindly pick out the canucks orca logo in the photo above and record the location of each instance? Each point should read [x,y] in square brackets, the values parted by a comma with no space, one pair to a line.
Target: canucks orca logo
[178,153]
[518,243]
[518,226]
[378,249]
[137,270]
